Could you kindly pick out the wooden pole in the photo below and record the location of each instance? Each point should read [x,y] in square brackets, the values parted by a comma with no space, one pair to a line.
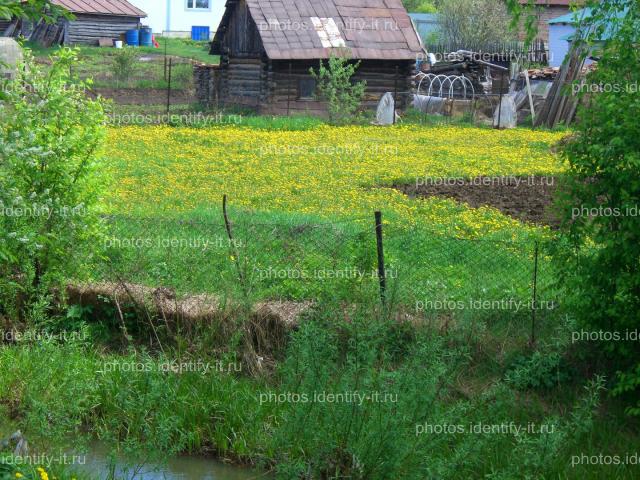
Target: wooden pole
[289,82]
[395,95]
[533,111]
[233,247]
[500,104]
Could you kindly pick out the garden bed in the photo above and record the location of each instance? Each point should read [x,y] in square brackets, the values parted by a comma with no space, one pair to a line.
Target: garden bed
[528,199]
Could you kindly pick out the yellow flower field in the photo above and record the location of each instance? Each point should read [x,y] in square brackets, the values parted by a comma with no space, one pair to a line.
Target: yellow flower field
[327,172]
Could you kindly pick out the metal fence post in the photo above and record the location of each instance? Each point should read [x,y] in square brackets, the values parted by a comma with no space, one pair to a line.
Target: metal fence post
[169,88]
[382,277]
[535,293]
[165,58]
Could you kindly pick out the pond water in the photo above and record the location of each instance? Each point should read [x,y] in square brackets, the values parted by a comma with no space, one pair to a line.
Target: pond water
[179,468]
[97,464]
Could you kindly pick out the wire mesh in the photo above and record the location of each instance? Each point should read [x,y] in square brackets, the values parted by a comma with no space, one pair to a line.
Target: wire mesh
[427,274]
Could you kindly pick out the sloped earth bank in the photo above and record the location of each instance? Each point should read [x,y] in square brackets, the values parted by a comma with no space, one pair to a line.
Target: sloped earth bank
[528,199]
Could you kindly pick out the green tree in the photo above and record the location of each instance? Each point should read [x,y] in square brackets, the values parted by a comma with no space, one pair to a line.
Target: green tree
[599,257]
[33,9]
[419,6]
[50,136]
[335,85]
[474,21]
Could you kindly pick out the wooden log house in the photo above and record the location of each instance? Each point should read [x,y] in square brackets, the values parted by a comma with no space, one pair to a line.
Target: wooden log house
[93,20]
[267,48]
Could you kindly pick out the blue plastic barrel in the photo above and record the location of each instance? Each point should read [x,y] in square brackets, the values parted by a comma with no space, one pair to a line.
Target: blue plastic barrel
[132,37]
[200,33]
[146,37]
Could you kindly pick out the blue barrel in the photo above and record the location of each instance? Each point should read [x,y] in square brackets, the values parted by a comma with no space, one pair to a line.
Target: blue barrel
[200,33]
[132,37]
[146,37]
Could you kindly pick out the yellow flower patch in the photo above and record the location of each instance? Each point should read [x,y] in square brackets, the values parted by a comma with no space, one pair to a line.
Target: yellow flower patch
[330,172]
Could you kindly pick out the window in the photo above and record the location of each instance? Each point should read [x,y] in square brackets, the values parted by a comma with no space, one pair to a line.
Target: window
[198,4]
[306,88]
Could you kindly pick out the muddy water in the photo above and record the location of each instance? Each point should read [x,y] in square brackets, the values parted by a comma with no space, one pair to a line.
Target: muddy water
[180,468]
[96,464]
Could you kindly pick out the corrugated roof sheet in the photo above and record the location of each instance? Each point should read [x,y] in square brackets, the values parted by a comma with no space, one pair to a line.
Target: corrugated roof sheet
[370,29]
[584,16]
[102,7]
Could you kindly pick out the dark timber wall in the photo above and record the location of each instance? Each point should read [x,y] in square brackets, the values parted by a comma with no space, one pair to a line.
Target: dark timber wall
[271,88]
[87,29]
[243,76]
[282,94]
[3,25]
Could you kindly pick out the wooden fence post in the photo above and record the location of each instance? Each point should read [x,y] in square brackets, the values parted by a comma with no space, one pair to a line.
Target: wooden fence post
[395,95]
[289,82]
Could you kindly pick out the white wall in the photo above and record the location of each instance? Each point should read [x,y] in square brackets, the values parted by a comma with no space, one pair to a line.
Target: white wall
[173,15]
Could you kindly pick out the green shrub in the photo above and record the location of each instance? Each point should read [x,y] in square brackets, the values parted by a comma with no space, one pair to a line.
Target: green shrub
[539,370]
[601,206]
[124,64]
[335,85]
[50,137]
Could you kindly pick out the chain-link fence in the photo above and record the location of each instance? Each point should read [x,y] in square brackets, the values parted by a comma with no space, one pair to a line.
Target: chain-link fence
[143,87]
[413,272]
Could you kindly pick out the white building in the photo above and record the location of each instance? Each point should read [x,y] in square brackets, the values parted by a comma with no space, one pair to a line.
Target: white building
[176,17]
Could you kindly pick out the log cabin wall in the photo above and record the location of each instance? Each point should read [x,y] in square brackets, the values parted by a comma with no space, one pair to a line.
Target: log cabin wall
[242,77]
[4,24]
[283,88]
[87,29]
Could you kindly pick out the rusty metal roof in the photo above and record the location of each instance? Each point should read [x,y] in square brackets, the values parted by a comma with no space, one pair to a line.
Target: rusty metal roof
[312,29]
[101,7]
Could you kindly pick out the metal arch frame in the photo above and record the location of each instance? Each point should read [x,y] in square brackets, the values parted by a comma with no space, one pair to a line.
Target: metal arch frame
[442,81]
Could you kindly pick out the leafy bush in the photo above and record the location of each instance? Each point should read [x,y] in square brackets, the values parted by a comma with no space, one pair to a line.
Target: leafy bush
[50,138]
[601,207]
[540,370]
[474,22]
[124,63]
[419,6]
[355,437]
[406,379]
[336,87]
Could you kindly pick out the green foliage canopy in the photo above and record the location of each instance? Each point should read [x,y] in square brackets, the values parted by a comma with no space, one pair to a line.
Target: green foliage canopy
[50,137]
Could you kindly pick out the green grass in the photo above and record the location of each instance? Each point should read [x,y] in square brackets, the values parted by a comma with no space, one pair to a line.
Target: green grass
[163,414]
[184,48]
[176,47]
[150,71]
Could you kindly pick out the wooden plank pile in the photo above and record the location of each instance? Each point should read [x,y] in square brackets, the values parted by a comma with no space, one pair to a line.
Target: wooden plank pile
[560,105]
[48,34]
